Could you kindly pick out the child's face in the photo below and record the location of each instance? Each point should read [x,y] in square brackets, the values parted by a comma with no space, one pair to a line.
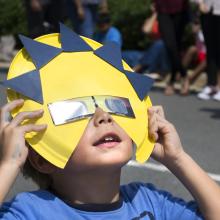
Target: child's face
[103,144]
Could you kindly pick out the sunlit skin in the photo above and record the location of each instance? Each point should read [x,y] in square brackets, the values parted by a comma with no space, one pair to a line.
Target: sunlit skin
[95,167]
[87,156]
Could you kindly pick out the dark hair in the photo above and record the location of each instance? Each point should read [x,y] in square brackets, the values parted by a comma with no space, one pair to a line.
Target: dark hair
[103,18]
[43,180]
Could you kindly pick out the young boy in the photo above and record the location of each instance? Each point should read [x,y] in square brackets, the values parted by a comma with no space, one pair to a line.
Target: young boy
[105,31]
[88,187]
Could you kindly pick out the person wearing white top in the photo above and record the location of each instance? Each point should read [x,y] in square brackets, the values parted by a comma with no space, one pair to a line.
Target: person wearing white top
[210,20]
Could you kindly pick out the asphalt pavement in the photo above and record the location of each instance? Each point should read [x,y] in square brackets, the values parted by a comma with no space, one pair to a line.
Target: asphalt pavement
[198,124]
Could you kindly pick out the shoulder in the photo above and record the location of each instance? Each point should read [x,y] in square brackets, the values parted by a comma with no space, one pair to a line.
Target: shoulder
[114,30]
[159,202]
[141,193]
[114,35]
[145,190]
[38,196]
[138,186]
[26,205]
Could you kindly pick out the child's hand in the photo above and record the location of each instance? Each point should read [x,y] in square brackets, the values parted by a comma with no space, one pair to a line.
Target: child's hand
[12,142]
[168,148]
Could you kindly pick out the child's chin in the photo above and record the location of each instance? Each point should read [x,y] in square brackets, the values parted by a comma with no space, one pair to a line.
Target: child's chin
[114,162]
[107,164]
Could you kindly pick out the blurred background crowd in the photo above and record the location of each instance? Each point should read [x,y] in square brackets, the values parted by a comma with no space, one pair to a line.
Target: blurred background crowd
[176,42]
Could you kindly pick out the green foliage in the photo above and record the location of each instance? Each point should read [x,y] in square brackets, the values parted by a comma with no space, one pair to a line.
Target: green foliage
[12,17]
[128,16]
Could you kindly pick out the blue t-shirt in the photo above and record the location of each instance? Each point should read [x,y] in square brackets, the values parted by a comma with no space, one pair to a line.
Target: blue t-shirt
[112,35]
[138,202]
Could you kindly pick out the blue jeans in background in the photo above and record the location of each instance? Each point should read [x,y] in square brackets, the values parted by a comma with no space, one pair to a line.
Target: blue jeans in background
[155,59]
[86,26]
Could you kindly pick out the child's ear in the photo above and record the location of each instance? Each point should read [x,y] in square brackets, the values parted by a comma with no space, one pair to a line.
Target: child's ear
[39,163]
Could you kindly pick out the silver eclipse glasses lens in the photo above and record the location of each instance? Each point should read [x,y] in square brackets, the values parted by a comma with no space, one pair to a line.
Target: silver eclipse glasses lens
[74,109]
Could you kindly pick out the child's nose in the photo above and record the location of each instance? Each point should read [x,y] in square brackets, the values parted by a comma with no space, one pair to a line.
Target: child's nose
[101,117]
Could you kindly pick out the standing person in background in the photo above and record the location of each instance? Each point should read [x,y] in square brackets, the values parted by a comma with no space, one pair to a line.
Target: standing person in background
[154,60]
[43,16]
[155,57]
[83,15]
[173,17]
[210,20]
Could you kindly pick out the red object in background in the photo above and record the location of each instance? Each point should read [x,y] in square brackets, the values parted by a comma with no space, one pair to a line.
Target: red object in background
[155,30]
[201,57]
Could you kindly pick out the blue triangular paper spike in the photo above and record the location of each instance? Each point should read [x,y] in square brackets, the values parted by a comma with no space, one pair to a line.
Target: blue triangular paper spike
[72,42]
[142,84]
[111,53]
[40,53]
[28,84]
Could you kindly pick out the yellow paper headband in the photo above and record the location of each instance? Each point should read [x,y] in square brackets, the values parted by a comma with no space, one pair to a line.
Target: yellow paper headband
[64,66]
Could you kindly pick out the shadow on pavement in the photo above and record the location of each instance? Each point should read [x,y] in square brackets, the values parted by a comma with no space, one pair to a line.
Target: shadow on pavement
[215,112]
[3,70]
[161,90]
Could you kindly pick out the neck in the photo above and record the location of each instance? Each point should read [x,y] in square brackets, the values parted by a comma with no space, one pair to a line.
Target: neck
[89,188]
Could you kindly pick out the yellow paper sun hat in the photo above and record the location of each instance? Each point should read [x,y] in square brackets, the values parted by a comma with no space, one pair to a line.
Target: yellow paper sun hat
[65,66]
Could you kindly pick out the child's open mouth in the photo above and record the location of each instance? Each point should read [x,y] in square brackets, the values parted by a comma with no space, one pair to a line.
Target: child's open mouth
[109,140]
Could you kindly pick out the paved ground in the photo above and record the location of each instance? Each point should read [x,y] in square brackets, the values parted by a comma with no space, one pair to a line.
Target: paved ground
[198,123]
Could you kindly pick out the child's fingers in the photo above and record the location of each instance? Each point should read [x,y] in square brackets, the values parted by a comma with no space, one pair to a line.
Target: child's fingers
[157,109]
[154,136]
[12,105]
[32,127]
[153,127]
[5,115]
[163,125]
[161,119]
[25,115]
[152,123]
[153,115]
[157,123]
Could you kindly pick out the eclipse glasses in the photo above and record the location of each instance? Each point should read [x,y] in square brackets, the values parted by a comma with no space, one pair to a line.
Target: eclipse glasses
[66,111]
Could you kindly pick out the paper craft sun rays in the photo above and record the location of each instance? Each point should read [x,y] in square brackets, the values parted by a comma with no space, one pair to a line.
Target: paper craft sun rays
[58,67]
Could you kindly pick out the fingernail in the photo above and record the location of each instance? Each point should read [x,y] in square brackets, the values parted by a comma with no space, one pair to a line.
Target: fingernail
[40,111]
[150,110]
[44,126]
[20,100]
[152,138]
[37,112]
